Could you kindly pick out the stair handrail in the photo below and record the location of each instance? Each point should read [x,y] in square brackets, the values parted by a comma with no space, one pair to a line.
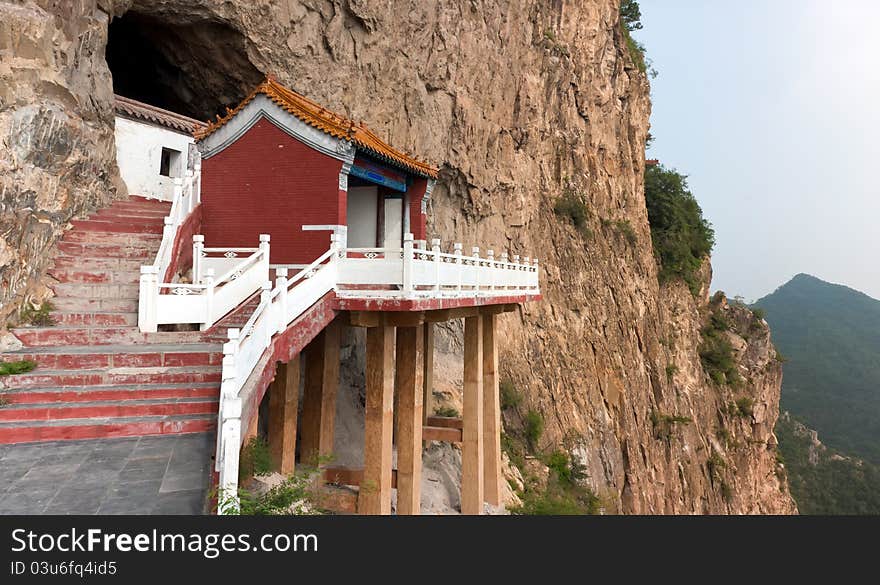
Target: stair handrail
[240,358]
[186,197]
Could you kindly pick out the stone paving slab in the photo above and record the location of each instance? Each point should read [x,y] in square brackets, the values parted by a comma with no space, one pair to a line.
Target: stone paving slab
[131,475]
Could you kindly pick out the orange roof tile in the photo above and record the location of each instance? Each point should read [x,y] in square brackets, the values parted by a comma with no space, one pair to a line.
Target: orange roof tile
[323,119]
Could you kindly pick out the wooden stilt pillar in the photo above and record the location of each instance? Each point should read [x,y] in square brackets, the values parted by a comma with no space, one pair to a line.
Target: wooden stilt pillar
[375,491]
[428,371]
[253,427]
[491,413]
[472,418]
[409,419]
[319,396]
[283,399]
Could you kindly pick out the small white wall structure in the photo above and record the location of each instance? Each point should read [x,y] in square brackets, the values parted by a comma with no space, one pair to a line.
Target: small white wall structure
[152,147]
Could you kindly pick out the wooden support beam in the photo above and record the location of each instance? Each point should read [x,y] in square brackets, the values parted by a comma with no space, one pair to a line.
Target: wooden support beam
[428,371]
[375,493]
[440,315]
[404,318]
[498,309]
[254,426]
[445,434]
[283,401]
[409,420]
[446,422]
[472,417]
[319,396]
[491,413]
[364,318]
[351,476]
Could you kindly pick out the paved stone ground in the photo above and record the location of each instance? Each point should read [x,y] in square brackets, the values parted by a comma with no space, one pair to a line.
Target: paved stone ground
[139,475]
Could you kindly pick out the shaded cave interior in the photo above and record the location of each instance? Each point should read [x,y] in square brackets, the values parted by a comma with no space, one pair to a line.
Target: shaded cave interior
[196,68]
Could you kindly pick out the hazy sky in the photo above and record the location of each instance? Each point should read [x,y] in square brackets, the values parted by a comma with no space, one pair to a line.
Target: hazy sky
[772,109]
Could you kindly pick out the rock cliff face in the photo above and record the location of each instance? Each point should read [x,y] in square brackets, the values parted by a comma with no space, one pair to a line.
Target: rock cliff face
[517,101]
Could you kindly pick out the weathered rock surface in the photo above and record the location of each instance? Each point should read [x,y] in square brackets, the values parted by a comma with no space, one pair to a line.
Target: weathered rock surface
[517,101]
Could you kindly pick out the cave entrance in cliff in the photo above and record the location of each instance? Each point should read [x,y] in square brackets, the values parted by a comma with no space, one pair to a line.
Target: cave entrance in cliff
[189,65]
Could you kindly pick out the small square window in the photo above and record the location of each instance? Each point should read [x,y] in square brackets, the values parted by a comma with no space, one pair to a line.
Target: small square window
[169,163]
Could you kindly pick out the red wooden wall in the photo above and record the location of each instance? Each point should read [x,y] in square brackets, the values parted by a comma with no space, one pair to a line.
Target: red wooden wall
[269,182]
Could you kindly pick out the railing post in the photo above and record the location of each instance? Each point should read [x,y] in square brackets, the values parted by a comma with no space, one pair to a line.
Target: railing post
[407,264]
[527,264]
[435,247]
[516,267]
[490,256]
[536,284]
[505,266]
[281,285]
[266,297]
[264,247]
[177,193]
[337,245]
[209,299]
[188,190]
[456,251]
[197,181]
[476,270]
[230,444]
[198,250]
[148,299]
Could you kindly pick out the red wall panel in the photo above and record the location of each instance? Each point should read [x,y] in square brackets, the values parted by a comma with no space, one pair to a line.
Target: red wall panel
[269,182]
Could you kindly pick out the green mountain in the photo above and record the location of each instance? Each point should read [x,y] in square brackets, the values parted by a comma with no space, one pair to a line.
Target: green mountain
[830,335]
[824,481]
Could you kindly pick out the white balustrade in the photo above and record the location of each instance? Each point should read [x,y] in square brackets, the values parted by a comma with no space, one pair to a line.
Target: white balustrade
[209,297]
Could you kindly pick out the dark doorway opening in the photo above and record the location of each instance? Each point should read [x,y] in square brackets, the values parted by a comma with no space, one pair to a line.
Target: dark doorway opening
[194,68]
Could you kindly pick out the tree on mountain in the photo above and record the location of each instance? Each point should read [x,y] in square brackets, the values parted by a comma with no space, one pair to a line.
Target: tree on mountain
[630,14]
[682,238]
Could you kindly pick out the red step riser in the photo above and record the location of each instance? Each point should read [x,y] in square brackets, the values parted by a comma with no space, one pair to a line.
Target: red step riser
[97,291]
[48,337]
[123,218]
[96,319]
[116,410]
[80,305]
[77,236]
[86,395]
[79,276]
[144,226]
[86,250]
[125,206]
[75,361]
[96,264]
[140,202]
[36,380]
[60,433]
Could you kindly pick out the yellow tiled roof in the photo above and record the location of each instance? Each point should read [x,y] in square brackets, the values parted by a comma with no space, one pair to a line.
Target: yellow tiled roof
[323,119]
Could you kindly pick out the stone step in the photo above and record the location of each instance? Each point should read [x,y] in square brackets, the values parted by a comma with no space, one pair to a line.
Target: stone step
[75,275]
[77,304]
[108,409]
[97,290]
[46,378]
[97,264]
[95,319]
[62,336]
[142,240]
[109,212]
[73,429]
[114,226]
[121,356]
[141,202]
[143,252]
[112,392]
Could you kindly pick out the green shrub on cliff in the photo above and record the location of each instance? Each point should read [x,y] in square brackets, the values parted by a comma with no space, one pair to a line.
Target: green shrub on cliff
[681,236]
